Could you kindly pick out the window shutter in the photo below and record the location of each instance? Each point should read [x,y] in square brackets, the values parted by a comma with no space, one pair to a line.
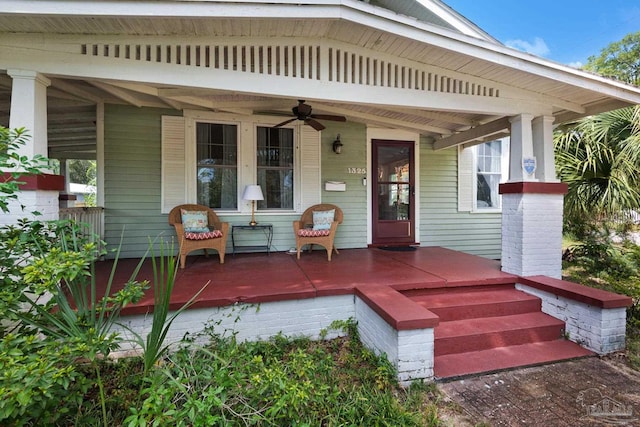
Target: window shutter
[173,163]
[465,179]
[310,184]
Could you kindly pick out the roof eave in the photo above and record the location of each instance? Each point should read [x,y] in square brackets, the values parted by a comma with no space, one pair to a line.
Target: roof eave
[349,10]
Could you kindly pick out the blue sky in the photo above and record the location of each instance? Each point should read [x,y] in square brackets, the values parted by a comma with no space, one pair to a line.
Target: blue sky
[566,31]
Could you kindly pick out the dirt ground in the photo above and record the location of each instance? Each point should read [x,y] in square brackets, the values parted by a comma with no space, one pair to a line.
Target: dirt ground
[586,392]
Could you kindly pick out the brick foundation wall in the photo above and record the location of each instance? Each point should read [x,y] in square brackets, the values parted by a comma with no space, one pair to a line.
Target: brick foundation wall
[409,351]
[251,322]
[599,329]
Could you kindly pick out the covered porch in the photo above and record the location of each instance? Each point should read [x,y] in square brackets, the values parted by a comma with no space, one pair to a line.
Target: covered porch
[258,277]
[435,312]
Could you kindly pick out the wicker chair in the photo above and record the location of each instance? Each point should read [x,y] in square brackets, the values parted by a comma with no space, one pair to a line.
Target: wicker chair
[305,235]
[190,242]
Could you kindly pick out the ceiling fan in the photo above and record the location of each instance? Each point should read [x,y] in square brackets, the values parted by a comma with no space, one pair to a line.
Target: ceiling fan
[302,112]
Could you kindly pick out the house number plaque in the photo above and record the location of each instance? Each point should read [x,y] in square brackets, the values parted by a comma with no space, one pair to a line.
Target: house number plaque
[360,171]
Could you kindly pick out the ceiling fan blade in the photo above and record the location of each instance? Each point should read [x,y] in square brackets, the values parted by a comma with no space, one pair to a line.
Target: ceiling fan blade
[285,122]
[314,124]
[329,117]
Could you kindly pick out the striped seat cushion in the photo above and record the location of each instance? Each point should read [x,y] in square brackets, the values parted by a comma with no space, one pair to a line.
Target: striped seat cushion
[309,232]
[203,236]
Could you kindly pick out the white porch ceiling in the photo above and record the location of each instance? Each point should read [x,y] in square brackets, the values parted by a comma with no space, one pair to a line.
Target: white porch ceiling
[362,28]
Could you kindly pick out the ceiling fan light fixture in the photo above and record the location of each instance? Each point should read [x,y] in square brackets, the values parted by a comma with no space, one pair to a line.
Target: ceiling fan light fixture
[337,145]
[304,113]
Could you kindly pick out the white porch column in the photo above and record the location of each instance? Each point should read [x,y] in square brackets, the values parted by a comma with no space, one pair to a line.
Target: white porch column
[532,203]
[521,147]
[29,111]
[542,132]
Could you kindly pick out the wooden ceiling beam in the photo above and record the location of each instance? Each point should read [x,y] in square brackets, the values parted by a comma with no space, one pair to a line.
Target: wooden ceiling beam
[474,134]
[381,119]
[119,93]
[431,115]
[65,86]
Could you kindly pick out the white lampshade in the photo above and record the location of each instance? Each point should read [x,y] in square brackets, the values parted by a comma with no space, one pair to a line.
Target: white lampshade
[252,192]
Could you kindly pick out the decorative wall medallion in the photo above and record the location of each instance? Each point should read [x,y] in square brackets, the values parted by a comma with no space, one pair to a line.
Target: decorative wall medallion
[529,165]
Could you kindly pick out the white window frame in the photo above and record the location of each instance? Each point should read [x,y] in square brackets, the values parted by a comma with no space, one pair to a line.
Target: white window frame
[247,159]
[504,176]
[237,165]
[295,167]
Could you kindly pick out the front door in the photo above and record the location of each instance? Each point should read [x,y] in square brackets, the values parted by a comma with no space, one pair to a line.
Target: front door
[393,192]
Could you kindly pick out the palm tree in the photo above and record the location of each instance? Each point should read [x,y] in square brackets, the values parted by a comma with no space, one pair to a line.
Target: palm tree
[599,158]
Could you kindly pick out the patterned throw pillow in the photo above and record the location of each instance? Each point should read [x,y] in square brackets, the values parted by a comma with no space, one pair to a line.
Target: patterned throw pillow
[307,232]
[195,221]
[203,235]
[322,219]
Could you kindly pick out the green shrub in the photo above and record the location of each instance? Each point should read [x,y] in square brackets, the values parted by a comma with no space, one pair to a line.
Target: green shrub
[11,140]
[38,381]
[603,258]
[275,382]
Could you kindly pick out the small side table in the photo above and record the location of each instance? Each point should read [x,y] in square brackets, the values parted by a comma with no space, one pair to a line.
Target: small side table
[266,229]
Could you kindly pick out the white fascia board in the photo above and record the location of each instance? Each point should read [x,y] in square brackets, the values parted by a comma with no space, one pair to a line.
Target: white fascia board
[456,20]
[171,9]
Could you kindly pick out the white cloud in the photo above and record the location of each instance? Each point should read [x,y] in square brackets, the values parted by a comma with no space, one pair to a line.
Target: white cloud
[576,64]
[538,47]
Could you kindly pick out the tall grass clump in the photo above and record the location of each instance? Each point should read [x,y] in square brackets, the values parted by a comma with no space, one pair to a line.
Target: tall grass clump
[277,382]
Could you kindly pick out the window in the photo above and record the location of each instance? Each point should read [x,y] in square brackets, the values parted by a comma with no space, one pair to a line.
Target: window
[491,165]
[209,159]
[217,165]
[274,161]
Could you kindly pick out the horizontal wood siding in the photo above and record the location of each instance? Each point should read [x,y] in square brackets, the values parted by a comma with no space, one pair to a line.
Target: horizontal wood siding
[441,223]
[132,178]
[335,167]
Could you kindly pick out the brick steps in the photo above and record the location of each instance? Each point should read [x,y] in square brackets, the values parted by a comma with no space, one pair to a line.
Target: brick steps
[501,358]
[489,332]
[490,328]
[487,303]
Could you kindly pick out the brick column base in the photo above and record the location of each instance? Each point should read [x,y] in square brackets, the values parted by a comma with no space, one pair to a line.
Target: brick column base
[38,193]
[532,228]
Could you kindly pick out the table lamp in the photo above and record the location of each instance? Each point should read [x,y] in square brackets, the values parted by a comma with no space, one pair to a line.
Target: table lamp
[253,193]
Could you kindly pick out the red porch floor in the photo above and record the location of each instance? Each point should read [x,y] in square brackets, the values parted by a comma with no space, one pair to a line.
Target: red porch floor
[482,323]
[259,277]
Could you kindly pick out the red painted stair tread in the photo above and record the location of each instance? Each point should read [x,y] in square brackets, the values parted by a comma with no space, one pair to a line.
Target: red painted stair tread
[474,362]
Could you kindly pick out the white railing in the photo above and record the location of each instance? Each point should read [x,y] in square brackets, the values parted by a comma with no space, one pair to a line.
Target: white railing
[90,220]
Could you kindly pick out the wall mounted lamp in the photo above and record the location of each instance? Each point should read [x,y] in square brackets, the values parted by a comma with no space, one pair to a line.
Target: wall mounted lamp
[337,145]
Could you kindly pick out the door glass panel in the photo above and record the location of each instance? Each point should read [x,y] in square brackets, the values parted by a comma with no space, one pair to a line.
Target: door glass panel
[393,164]
[393,201]
[393,183]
